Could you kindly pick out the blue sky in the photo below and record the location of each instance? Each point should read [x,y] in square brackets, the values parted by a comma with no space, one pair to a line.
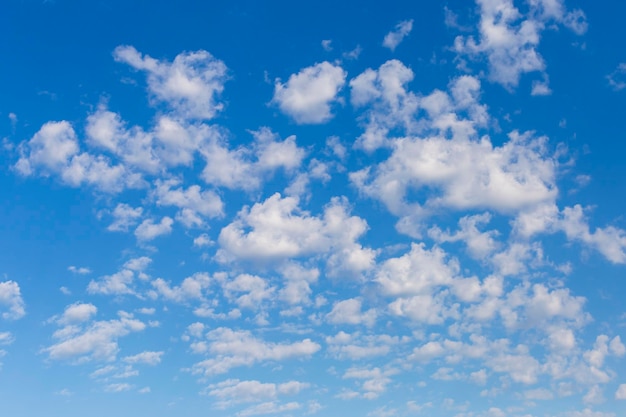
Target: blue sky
[336,209]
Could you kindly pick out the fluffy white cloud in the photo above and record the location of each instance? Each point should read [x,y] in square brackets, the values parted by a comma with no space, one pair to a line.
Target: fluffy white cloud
[124,217]
[191,201]
[50,149]
[609,241]
[77,313]
[96,340]
[234,391]
[375,380]
[357,347]
[245,168]
[278,229]
[54,150]
[233,348]
[191,288]
[509,39]
[349,312]
[509,178]
[190,85]
[149,230]
[397,35]
[620,394]
[11,298]
[307,96]
[479,244]
[247,291]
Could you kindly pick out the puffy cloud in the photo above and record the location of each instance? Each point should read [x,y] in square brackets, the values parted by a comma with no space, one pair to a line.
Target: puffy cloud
[307,96]
[149,230]
[391,105]
[416,272]
[349,312]
[232,391]
[509,39]
[191,288]
[124,217]
[233,348]
[191,201]
[610,241]
[50,149]
[169,143]
[515,176]
[190,85]
[397,35]
[115,284]
[54,150]
[278,229]
[356,346]
[11,298]
[96,340]
[479,244]
[620,394]
[247,291]
[297,288]
[244,168]
[375,380]
[77,313]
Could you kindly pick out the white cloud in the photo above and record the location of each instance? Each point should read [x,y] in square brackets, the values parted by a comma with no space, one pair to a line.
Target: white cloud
[268,408]
[278,229]
[616,78]
[390,105]
[479,244]
[541,88]
[245,168]
[79,270]
[120,387]
[397,35]
[247,291]
[509,39]
[610,241]
[191,201]
[190,85]
[192,288]
[233,391]
[124,217]
[620,394]
[375,380]
[50,149]
[97,340]
[77,313]
[115,284]
[356,346]
[54,150]
[11,298]
[516,176]
[233,348]
[307,96]
[349,312]
[148,357]
[148,230]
